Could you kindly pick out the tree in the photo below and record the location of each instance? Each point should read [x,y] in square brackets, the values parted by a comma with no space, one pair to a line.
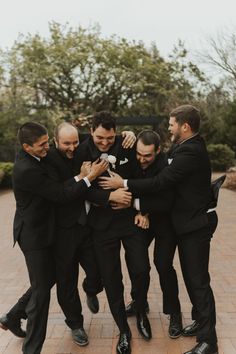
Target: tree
[76,71]
[222,55]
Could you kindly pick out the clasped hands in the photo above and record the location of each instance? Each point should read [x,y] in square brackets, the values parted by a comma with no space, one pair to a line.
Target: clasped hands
[115,181]
[119,198]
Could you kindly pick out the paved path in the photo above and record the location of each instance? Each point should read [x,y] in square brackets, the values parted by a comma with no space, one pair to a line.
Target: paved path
[101,329]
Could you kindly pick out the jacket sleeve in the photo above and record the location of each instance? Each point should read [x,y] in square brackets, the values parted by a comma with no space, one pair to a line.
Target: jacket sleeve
[37,181]
[97,196]
[184,163]
[157,203]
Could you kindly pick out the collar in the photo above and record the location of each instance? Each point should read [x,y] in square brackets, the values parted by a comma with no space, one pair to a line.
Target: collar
[188,139]
[36,157]
[95,153]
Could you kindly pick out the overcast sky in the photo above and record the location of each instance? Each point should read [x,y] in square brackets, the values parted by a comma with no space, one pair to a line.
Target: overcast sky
[149,20]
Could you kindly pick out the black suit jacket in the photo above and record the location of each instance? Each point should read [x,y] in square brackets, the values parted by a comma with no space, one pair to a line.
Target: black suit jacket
[157,204]
[36,190]
[155,201]
[189,173]
[68,214]
[100,218]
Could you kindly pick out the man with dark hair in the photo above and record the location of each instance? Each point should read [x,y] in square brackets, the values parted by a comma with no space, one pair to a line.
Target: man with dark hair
[73,244]
[189,172]
[36,190]
[113,228]
[151,161]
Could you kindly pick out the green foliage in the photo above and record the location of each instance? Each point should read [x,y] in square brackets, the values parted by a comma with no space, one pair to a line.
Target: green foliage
[221,156]
[230,121]
[214,106]
[1,176]
[6,168]
[76,72]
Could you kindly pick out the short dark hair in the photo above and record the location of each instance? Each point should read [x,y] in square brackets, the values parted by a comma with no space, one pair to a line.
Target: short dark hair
[105,119]
[149,137]
[187,114]
[30,132]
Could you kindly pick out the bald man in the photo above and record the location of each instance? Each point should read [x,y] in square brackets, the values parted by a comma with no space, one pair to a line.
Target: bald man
[73,244]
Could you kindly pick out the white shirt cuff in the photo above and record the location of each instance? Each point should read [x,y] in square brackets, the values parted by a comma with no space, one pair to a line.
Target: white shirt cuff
[87,181]
[77,179]
[87,206]
[137,203]
[125,181]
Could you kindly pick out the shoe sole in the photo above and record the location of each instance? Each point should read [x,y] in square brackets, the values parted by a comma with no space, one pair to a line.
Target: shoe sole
[190,335]
[93,311]
[3,327]
[81,344]
[145,338]
[175,337]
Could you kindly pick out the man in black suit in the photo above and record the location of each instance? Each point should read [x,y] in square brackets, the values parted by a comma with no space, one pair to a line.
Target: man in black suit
[189,172]
[73,243]
[113,228]
[151,161]
[36,190]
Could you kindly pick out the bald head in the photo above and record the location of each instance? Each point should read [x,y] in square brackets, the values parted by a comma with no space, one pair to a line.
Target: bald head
[66,139]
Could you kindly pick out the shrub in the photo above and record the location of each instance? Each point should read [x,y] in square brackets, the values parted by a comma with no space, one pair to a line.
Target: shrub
[221,156]
[1,176]
[6,168]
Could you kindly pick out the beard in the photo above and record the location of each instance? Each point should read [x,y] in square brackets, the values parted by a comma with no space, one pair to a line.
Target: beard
[175,138]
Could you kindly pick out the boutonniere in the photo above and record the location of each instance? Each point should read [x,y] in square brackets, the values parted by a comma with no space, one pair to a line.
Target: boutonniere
[111,159]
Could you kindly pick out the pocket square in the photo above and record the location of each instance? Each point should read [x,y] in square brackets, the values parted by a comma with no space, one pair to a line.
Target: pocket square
[122,162]
[169,161]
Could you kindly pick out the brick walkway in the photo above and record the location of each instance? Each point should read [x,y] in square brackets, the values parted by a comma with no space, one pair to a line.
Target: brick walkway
[101,329]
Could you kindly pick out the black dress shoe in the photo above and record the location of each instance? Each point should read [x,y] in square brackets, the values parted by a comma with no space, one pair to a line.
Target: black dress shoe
[131,308]
[143,326]
[175,326]
[13,325]
[123,345]
[79,336]
[92,303]
[204,348]
[191,330]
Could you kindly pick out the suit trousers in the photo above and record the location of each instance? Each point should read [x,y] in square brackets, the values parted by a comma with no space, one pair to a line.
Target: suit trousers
[194,249]
[18,311]
[163,256]
[164,250]
[73,247]
[40,265]
[107,246]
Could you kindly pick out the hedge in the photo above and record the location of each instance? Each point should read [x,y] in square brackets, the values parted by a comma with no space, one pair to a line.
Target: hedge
[221,156]
[6,169]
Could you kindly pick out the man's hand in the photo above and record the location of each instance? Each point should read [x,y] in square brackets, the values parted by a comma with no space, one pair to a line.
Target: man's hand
[97,168]
[113,182]
[120,196]
[141,221]
[85,169]
[129,139]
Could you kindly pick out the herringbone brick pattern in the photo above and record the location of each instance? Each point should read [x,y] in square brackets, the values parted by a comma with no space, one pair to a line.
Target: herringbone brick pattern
[101,329]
